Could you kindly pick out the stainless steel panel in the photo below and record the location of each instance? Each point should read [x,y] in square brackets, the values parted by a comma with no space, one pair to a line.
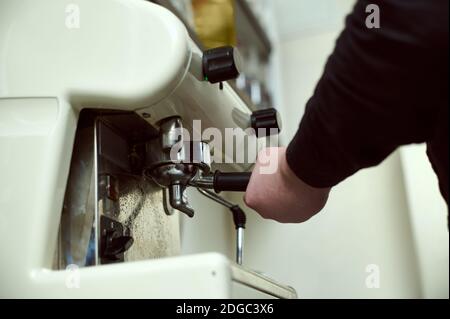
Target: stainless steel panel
[139,206]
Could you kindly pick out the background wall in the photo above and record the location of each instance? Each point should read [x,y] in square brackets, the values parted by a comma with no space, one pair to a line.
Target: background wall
[391,215]
[365,222]
[428,214]
[387,222]
[210,229]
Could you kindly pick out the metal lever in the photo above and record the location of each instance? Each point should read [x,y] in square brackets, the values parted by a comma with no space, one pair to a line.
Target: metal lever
[239,219]
[239,245]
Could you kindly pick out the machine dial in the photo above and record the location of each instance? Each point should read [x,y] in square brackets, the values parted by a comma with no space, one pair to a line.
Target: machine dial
[221,64]
[267,119]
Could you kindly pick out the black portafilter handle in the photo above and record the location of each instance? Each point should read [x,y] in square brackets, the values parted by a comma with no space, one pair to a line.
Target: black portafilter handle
[231,182]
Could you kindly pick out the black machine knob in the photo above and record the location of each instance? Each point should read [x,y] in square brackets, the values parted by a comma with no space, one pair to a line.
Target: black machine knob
[116,244]
[266,119]
[115,240]
[221,64]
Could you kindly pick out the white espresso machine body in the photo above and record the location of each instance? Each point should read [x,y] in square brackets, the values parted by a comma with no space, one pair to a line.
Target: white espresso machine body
[78,79]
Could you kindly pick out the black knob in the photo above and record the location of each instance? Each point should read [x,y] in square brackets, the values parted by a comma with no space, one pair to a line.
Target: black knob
[221,64]
[116,244]
[114,241]
[265,122]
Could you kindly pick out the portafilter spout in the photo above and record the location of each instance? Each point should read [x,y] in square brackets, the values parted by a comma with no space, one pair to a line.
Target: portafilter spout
[175,164]
[172,162]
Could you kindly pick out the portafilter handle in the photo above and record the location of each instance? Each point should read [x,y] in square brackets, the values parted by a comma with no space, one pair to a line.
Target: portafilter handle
[221,181]
[231,182]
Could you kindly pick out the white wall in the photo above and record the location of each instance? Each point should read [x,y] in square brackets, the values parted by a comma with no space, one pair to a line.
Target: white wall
[209,230]
[370,218]
[367,220]
[428,213]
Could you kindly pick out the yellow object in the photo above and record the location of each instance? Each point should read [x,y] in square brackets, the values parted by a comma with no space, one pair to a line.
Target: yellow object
[215,22]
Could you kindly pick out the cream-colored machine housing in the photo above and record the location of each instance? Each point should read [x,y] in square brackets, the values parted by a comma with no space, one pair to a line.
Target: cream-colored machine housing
[60,60]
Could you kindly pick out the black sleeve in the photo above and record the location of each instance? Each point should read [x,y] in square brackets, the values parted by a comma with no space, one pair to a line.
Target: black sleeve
[381,88]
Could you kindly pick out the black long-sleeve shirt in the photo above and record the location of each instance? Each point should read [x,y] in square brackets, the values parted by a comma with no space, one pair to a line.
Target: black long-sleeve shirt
[381,88]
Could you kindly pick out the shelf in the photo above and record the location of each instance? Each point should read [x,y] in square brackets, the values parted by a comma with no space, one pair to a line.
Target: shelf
[243,95]
[250,30]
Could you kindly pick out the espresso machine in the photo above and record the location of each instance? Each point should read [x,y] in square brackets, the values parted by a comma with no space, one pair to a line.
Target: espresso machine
[98,145]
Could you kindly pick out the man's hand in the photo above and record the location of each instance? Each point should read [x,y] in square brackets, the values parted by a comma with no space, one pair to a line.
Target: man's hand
[275,192]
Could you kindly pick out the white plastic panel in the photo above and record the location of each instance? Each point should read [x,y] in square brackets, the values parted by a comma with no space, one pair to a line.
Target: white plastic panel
[119,53]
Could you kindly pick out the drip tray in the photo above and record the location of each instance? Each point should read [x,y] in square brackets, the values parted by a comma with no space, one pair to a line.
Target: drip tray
[201,276]
[261,285]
